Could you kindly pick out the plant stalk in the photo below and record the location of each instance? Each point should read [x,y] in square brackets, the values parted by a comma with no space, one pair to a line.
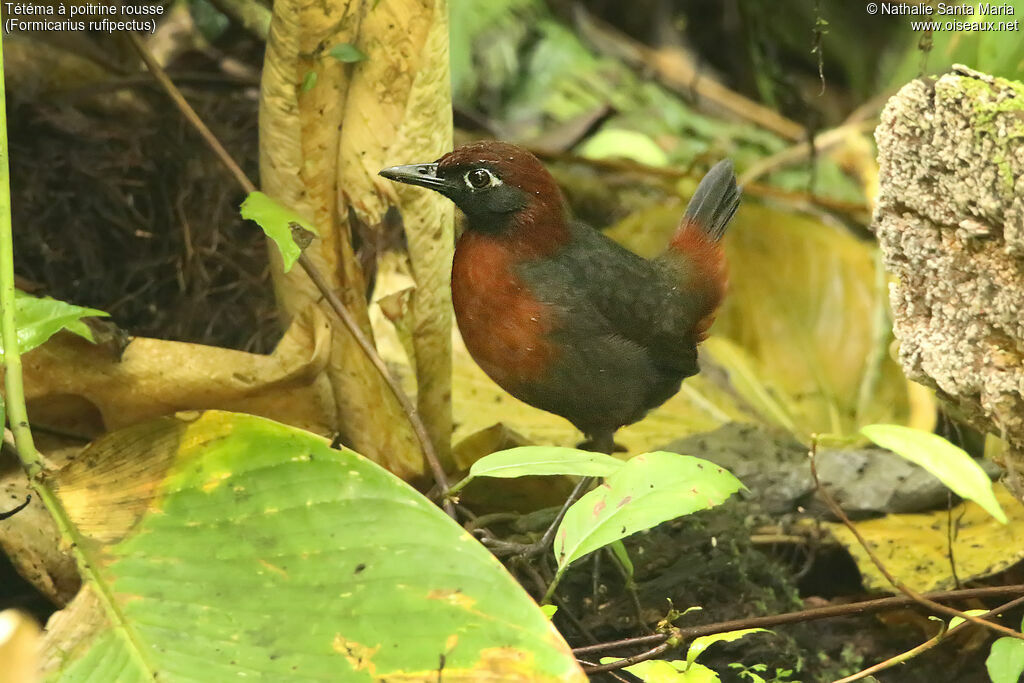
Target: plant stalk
[17,410]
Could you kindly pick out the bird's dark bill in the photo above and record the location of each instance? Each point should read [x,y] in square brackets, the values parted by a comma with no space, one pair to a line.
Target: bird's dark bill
[424,175]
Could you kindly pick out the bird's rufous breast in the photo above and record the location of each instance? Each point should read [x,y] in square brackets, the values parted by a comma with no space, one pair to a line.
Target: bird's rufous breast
[503,325]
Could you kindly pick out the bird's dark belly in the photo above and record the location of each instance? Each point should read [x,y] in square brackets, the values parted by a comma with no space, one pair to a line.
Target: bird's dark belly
[601,383]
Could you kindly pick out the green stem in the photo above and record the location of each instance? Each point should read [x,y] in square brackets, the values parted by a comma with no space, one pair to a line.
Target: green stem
[550,593]
[455,488]
[15,388]
[17,410]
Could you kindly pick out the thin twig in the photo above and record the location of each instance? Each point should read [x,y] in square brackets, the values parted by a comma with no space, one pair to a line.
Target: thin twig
[674,69]
[563,610]
[312,271]
[950,537]
[407,407]
[829,612]
[506,549]
[630,586]
[493,518]
[674,173]
[927,645]
[115,83]
[18,508]
[629,661]
[861,120]
[896,583]
[897,659]
[591,665]
[190,114]
[801,151]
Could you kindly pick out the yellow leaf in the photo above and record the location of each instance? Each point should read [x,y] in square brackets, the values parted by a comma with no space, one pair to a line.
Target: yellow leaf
[915,548]
[479,403]
[19,647]
[398,111]
[300,166]
[78,386]
[805,319]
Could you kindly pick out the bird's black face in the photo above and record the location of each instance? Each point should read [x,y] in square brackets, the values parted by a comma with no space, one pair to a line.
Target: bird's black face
[479,190]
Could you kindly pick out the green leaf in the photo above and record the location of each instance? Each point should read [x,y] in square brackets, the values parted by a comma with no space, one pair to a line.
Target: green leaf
[347,52]
[210,21]
[287,560]
[549,610]
[619,550]
[541,460]
[956,621]
[661,671]
[951,465]
[698,645]
[648,490]
[39,318]
[698,673]
[617,143]
[279,223]
[1005,662]
[309,81]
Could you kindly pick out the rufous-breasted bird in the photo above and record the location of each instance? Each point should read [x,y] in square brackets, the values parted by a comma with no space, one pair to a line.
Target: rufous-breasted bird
[558,314]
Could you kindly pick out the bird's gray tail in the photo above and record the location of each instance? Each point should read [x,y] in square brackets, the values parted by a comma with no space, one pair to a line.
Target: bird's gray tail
[715,201]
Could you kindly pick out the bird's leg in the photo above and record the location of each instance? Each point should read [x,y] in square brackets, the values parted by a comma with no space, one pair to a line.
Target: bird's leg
[601,443]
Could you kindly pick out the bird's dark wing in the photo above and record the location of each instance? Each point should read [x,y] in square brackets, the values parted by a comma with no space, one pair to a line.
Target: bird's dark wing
[608,289]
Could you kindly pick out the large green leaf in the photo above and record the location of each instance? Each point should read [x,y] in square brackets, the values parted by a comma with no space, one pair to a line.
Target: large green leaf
[953,466]
[39,318]
[1005,662]
[647,490]
[223,546]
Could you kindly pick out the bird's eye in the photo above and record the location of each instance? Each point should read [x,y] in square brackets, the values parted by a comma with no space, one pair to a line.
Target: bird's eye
[480,178]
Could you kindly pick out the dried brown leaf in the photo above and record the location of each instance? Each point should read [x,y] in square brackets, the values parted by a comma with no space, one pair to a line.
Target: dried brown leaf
[398,111]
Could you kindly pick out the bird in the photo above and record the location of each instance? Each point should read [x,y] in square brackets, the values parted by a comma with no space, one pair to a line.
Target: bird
[558,314]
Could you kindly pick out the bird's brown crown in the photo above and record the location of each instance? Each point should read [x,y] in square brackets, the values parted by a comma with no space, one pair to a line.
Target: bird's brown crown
[505,192]
[514,165]
[524,198]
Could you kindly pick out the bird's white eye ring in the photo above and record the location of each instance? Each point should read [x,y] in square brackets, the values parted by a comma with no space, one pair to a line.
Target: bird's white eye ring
[480,178]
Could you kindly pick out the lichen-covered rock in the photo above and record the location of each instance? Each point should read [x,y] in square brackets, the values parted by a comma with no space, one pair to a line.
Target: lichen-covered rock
[950,220]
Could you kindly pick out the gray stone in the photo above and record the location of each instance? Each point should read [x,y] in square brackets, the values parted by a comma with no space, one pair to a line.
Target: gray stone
[775,468]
